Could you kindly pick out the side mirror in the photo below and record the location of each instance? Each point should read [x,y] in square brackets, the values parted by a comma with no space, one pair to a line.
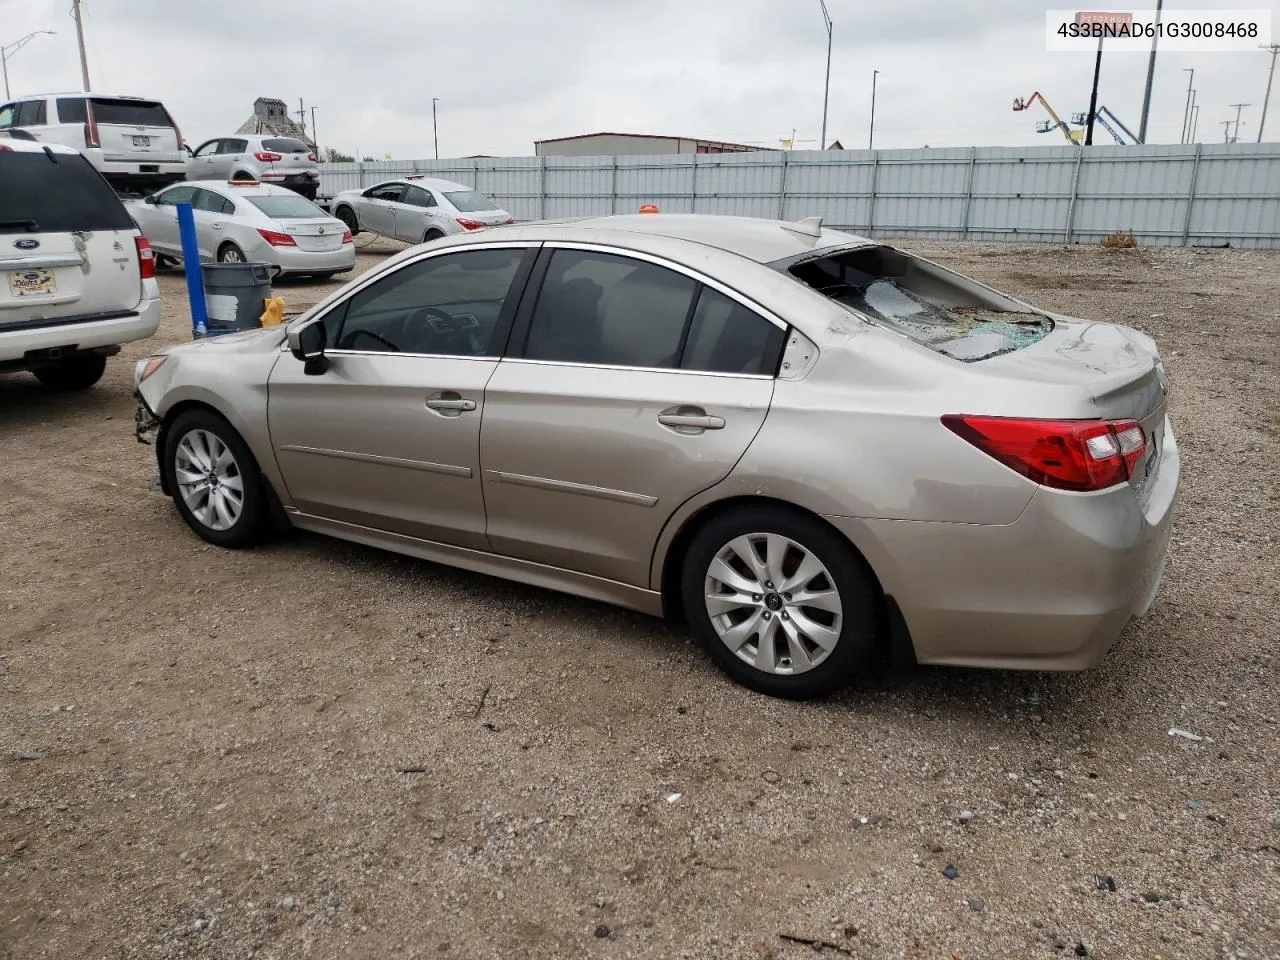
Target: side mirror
[151,200]
[307,345]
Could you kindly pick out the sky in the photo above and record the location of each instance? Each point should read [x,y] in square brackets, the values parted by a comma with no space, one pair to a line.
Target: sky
[509,72]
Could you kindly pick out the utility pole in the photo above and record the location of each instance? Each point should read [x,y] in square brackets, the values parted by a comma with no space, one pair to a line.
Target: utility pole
[1239,107]
[302,116]
[1151,73]
[1226,130]
[314,138]
[1274,48]
[1195,121]
[1093,97]
[871,133]
[84,59]
[435,130]
[1186,111]
[826,89]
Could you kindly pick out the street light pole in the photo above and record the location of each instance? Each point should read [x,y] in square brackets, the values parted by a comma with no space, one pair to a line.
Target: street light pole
[435,131]
[9,49]
[1186,111]
[871,134]
[1151,73]
[826,89]
[1274,48]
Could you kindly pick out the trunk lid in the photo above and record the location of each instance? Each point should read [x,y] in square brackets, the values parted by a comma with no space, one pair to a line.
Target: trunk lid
[295,156]
[314,235]
[137,130]
[1116,366]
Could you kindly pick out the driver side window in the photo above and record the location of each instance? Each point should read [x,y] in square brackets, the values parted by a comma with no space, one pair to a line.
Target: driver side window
[443,306]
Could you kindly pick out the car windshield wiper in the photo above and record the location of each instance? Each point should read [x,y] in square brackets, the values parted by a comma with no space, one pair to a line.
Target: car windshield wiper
[28,225]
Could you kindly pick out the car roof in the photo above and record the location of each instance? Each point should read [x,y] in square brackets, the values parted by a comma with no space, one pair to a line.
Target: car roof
[226,189]
[431,182]
[36,146]
[96,95]
[764,241]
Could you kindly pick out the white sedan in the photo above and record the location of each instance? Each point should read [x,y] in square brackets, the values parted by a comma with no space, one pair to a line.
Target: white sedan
[240,221]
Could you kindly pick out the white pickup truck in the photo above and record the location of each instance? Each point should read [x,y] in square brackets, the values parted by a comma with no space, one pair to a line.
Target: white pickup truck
[77,278]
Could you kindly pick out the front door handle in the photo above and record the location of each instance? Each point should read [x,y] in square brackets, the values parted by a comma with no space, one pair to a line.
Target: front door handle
[691,421]
[450,404]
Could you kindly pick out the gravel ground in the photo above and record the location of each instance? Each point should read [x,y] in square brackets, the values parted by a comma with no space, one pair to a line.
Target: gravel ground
[314,749]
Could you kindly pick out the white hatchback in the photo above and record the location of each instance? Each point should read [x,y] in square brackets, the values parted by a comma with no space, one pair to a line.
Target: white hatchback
[240,221]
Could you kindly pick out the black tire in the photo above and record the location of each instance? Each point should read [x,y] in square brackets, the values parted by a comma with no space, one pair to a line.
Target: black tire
[165,263]
[432,234]
[241,175]
[859,623]
[225,251]
[75,373]
[251,524]
[326,277]
[348,216]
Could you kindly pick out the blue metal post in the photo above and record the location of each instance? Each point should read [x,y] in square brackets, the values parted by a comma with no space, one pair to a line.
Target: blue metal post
[191,266]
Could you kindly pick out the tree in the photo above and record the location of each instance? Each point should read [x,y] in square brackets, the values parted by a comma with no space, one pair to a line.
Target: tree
[337,156]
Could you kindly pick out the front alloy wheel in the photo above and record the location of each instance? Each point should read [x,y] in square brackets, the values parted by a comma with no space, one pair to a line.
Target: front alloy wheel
[214,479]
[209,480]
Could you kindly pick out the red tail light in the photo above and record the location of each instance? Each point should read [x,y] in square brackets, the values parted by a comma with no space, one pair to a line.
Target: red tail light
[313,158]
[347,238]
[91,134]
[511,220]
[265,157]
[146,259]
[5,148]
[470,224]
[1080,455]
[277,239]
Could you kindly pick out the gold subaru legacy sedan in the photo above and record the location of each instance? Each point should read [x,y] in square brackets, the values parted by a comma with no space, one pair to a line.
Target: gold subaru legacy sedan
[808,444]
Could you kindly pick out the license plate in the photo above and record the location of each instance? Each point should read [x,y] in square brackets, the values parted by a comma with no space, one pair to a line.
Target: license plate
[32,283]
[142,141]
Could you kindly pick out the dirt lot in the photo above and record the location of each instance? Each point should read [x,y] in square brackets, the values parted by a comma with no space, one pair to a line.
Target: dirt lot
[202,753]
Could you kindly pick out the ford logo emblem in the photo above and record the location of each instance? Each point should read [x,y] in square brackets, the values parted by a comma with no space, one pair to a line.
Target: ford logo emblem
[26,243]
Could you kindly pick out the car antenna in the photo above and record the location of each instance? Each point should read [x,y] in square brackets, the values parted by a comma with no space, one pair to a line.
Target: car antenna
[50,154]
[809,226]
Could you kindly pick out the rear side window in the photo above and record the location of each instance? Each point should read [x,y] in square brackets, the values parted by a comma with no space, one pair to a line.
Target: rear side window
[56,194]
[71,110]
[132,113]
[285,145]
[233,146]
[30,114]
[210,202]
[726,337]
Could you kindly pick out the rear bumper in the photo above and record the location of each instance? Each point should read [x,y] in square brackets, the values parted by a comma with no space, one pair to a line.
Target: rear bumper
[137,325]
[302,261]
[1051,591]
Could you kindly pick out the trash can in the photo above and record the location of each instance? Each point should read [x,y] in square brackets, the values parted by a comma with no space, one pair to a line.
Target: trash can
[234,294]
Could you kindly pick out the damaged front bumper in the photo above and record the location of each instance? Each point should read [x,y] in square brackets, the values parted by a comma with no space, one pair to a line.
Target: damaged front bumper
[146,425]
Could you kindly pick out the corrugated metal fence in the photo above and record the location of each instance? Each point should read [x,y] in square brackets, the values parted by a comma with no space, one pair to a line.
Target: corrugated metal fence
[1201,194]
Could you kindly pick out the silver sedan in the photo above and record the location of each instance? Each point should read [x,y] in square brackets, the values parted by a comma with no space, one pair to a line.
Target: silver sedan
[417,209]
[810,445]
[246,221]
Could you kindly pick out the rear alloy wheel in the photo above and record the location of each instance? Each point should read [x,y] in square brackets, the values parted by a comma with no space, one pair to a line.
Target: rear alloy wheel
[230,253]
[214,479]
[74,373]
[783,604]
[348,217]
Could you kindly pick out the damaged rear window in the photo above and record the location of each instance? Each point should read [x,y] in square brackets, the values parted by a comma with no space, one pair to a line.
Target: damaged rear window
[920,300]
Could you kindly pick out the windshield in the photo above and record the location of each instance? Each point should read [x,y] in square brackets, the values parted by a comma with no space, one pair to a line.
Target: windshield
[131,113]
[287,208]
[920,300]
[469,201]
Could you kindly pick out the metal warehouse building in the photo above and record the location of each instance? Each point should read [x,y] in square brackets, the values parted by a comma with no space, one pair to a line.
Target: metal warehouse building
[632,144]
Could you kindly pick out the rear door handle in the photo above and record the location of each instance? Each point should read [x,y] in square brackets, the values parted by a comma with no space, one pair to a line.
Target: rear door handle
[691,421]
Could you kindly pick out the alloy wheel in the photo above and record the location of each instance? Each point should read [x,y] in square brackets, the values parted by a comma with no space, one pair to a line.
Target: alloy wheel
[209,479]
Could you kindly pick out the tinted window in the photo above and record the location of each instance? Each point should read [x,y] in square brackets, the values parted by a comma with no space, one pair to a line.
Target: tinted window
[56,195]
[726,337]
[30,114]
[390,191]
[148,113]
[292,207]
[71,110]
[419,197]
[232,146]
[447,305]
[180,194]
[285,145]
[211,202]
[7,113]
[207,149]
[603,308]
[468,201]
